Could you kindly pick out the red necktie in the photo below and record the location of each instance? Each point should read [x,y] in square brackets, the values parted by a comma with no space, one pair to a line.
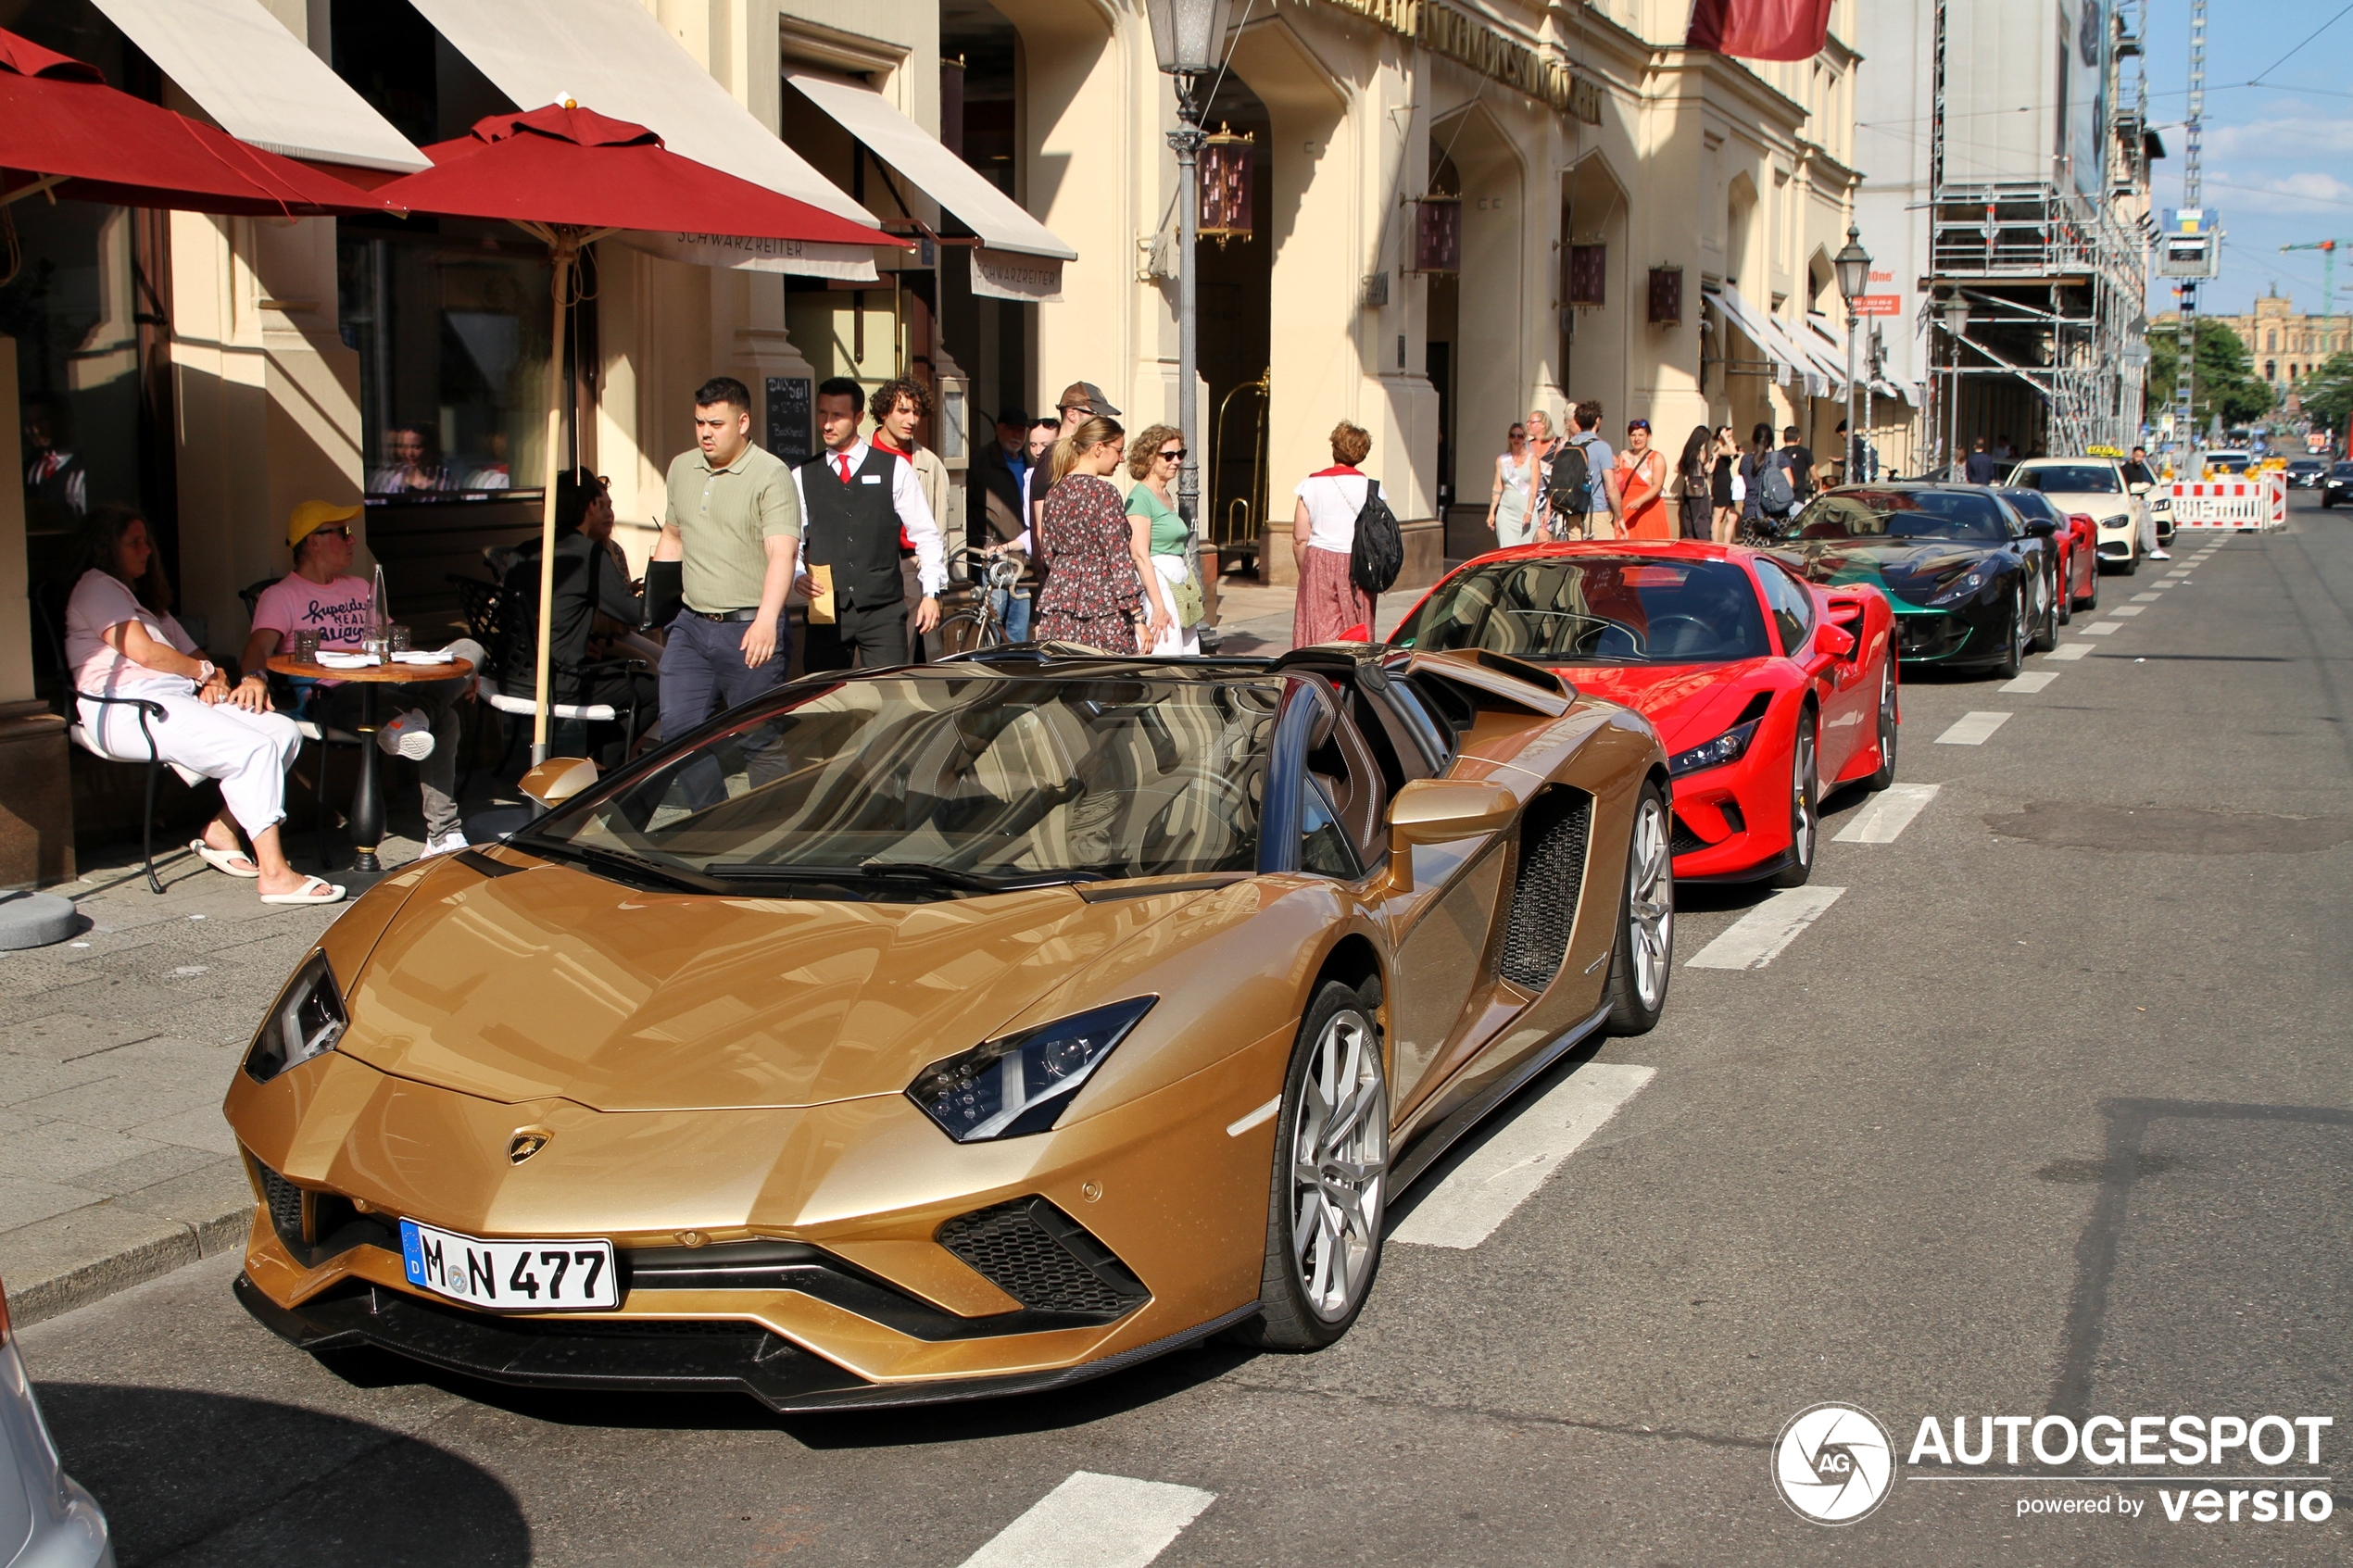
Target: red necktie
[844,461]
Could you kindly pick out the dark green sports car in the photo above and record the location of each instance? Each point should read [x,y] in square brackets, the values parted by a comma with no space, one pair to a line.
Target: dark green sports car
[1973,584]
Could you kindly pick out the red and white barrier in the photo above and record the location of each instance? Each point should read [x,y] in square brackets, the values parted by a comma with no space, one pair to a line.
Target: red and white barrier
[2251,503]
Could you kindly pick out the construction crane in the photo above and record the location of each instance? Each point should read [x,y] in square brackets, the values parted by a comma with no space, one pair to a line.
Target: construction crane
[2328,270]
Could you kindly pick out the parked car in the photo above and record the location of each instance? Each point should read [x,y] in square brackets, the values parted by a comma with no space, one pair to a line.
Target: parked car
[2077,542]
[971,1029]
[1769,694]
[46,1521]
[1970,580]
[2097,487]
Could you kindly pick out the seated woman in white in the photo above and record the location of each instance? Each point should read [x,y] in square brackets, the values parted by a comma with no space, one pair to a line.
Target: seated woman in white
[121,641]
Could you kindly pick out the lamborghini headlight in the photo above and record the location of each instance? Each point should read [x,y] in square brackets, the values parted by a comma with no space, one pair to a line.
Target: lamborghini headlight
[1729,747]
[306,1021]
[1019,1084]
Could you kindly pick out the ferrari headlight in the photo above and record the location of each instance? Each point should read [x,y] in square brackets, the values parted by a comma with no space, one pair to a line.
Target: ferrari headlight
[1729,747]
[306,1021]
[1019,1084]
[1957,588]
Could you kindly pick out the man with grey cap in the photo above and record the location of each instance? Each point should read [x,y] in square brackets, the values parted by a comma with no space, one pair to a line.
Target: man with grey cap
[1080,401]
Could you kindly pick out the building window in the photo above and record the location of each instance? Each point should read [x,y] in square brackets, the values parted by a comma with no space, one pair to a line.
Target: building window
[2271,369]
[2271,342]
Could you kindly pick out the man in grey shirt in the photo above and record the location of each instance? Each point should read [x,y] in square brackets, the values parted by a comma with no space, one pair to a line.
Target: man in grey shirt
[733,523]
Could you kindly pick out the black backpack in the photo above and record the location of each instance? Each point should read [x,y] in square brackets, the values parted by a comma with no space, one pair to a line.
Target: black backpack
[1571,483]
[1378,553]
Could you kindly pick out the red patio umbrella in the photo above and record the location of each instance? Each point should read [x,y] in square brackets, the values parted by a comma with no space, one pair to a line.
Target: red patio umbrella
[64,132]
[569,176]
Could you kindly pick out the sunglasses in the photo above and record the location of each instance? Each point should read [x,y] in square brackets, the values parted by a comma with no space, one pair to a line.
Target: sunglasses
[1634,425]
[1176,456]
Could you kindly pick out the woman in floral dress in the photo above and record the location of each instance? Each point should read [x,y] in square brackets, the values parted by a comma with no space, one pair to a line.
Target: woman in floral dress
[1092,593]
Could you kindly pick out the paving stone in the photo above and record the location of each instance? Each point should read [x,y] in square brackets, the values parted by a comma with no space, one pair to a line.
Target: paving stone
[67,1036]
[64,1152]
[24,1202]
[160,1163]
[61,1263]
[203,1128]
[120,1101]
[215,1201]
[26,1078]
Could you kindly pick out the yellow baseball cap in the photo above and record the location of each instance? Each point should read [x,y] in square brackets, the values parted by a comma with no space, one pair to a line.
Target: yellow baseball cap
[312,515]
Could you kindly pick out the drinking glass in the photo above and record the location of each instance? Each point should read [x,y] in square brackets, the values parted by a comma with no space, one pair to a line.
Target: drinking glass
[396,638]
[374,647]
[306,647]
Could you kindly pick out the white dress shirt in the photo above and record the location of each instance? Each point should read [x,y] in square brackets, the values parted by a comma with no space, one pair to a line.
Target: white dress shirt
[906,499]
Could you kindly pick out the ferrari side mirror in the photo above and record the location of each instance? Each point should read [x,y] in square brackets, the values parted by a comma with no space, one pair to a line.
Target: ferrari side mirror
[2040,528]
[558,780]
[1835,640]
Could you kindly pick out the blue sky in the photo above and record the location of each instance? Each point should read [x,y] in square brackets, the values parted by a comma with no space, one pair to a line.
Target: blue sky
[2279,154]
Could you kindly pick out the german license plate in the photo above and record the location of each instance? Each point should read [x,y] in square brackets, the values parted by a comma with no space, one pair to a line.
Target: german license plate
[510,1276]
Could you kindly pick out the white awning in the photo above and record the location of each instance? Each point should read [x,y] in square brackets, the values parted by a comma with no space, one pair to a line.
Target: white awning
[1828,354]
[261,83]
[611,56]
[998,219]
[1764,332]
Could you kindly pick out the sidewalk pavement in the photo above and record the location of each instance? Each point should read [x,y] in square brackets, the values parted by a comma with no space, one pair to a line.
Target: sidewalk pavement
[116,1050]
[117,1047]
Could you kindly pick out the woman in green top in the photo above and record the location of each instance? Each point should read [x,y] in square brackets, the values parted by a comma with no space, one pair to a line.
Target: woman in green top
[1157,537]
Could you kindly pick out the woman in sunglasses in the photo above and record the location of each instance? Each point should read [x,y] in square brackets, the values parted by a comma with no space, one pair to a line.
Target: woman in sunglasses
[1171,591]
[1509,516]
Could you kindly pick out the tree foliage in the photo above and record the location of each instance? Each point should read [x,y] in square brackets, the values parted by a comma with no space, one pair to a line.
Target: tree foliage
[2223,378]
[2328,393]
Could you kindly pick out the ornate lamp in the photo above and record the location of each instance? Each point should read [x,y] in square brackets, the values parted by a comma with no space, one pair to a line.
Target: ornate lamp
[1853,265]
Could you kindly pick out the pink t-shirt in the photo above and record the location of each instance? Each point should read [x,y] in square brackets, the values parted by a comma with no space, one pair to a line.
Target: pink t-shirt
[100,602]
[336,611]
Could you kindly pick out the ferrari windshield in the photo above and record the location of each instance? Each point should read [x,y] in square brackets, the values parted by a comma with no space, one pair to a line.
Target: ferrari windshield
[1595,609]
[1903,514]
[946,784]
[2068,478]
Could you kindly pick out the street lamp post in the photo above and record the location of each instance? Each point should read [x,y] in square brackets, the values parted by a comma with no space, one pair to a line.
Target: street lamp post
[1853,264]
[1954,314]
[1188,36]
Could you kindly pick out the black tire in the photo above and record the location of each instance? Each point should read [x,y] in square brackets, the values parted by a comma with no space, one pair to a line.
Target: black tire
[2014,644]
[1292,1314]
[966,631]
[2093,602]
[1805,805]
[2064,601]
[2133,561]
[2046,638]
[1890,730]
[1642,963]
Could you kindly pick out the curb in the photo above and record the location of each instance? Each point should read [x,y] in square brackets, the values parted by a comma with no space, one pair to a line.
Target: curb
[87,1254]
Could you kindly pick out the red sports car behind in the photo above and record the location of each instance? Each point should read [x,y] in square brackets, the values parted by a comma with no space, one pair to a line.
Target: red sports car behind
[1768,691]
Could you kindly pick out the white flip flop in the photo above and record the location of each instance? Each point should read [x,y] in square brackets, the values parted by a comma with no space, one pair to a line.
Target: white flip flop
[219,859]
[315,890]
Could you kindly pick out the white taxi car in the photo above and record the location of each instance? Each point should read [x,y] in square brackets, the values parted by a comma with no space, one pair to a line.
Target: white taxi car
[2095,486]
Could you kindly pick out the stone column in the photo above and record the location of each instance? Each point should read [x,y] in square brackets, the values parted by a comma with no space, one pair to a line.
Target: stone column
[36,796]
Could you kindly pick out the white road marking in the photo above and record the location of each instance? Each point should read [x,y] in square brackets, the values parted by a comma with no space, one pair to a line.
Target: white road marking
[2128,610]
[1478,1194]
[1890,813]
[2072,650]
[1757,938]
[2033,681]
[2146,598]
[2177,576]
[1971,729]
[1095,1522]
[1237,1128]
[2102,628]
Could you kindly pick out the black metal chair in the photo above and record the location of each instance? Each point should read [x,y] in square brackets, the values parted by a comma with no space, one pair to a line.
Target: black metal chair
[517,621]
[150,712]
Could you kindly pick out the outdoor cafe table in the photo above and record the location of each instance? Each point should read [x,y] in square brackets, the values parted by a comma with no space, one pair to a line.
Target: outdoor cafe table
[367,799]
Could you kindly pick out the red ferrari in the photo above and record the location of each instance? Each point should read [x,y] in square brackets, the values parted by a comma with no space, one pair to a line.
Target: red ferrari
[1768,691]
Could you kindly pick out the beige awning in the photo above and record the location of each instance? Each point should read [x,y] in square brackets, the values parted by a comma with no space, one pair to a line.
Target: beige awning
[261,83]
[611,56]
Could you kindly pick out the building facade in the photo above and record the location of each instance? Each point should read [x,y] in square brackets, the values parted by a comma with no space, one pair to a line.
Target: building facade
[2283,344]
[1631,222]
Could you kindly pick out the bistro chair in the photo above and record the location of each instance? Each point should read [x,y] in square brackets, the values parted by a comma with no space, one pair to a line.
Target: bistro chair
[517,622]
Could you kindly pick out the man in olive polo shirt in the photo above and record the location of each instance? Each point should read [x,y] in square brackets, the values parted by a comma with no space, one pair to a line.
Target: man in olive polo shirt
[733,523]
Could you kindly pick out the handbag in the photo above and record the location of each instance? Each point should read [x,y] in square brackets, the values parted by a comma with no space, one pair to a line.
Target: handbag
[1190,603]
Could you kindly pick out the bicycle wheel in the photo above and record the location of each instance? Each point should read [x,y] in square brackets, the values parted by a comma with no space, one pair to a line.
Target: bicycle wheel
[967,631]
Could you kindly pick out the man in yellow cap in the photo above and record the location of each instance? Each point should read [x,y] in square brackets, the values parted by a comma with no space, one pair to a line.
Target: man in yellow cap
[322,595]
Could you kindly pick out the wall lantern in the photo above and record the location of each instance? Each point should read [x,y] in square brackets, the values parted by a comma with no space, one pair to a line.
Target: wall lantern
[1437,235]
[1667,296]
[1227,183]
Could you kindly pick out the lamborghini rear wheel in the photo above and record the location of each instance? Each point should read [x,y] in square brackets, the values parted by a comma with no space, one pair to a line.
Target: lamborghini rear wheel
[1330,1190]
[1644,958]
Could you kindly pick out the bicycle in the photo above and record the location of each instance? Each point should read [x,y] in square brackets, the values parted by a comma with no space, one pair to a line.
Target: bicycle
[978,625]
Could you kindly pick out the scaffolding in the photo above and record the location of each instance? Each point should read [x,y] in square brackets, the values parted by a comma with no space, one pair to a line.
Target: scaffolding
[2051,345]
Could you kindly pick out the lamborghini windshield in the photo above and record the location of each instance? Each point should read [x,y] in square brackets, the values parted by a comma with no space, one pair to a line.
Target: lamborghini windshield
[939,784]
[1880,514]
[1595,609]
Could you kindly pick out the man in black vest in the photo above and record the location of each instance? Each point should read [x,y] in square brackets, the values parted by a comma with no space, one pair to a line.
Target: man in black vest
[854,500]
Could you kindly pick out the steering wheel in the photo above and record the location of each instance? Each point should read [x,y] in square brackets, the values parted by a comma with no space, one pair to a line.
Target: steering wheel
[1660,625]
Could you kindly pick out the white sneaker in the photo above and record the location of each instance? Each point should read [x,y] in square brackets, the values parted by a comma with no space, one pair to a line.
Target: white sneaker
[448,843]
[408,734]
[2160,555]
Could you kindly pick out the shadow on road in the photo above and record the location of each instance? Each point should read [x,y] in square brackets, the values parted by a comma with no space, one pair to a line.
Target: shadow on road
[201,1478]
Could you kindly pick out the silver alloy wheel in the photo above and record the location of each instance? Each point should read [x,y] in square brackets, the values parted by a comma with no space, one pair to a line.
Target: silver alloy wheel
[1802,823]
[1339,1166]
[1650,904]
[1887,717]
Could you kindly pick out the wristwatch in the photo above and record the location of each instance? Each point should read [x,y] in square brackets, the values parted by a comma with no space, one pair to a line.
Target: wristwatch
[205,670]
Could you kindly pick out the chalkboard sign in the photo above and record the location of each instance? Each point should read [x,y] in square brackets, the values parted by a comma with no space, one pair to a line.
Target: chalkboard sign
[792,425]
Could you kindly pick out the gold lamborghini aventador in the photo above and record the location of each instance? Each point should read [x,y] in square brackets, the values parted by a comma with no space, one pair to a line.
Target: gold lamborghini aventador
[953,1030]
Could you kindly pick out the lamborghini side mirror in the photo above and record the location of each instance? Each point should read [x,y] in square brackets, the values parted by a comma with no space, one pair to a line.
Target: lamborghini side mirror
[1434,810]
[558,780]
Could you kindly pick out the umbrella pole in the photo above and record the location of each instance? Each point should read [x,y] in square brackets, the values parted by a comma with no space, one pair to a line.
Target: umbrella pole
[565,248]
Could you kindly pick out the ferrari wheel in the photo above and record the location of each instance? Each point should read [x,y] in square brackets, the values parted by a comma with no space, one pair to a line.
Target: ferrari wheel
[1645,957]
[1888,726]
[2046,589]
[2091,600]
[1331,1180]
[2064,601]
[1805,808]
[2014,648]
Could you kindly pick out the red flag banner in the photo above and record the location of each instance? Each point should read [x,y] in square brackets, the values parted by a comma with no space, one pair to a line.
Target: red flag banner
[1760,29]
